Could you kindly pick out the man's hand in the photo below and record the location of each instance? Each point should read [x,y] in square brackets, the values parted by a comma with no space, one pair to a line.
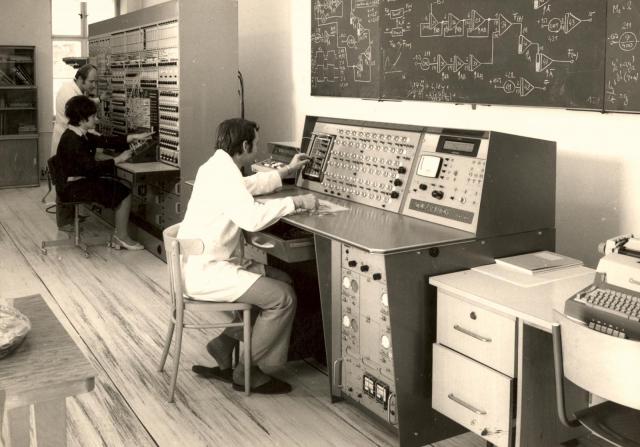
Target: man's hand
[306,202]
[298,161]
[124,156]
[138,136]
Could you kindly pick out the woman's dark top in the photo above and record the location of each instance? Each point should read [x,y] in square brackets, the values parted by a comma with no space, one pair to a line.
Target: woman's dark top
[76,157]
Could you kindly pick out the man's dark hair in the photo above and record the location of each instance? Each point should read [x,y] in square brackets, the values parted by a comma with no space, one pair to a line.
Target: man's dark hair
[83,72]
[233,132]
[79,108]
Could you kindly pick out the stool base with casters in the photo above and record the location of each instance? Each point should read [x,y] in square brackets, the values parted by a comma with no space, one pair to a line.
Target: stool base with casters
[76,239]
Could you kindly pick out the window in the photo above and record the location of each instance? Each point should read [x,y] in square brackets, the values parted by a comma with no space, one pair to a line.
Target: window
[69,23]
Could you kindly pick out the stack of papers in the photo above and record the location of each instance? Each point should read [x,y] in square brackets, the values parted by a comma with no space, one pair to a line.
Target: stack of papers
[538,262]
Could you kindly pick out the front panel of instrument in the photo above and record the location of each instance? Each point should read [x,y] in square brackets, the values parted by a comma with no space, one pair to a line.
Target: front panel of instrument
[367,374]
[366,165]
[447,180]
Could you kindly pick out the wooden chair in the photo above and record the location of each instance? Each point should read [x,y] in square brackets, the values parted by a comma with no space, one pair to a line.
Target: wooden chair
[178,251]
[76,240]
[606,366]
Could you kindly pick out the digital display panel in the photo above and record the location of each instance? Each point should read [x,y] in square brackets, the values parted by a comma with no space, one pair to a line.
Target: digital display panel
[458,145]
[429,166]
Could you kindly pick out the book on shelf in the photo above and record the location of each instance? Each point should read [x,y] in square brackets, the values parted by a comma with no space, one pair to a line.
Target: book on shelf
[5,79]
[538,262]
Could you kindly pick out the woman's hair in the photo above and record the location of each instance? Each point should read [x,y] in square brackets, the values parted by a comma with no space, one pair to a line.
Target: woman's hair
[83,72]
[79,108]
[233,132]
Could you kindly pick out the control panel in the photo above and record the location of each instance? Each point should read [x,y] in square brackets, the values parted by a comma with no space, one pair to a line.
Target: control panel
[446,183]
[367,375]
[363,164]
[139,68]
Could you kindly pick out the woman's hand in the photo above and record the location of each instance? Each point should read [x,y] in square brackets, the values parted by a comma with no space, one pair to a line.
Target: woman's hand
[124,156]
[138,136]
[306,202]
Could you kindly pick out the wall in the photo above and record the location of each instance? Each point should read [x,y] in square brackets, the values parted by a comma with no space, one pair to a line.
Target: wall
[28,22]
[265,36]
[598,157]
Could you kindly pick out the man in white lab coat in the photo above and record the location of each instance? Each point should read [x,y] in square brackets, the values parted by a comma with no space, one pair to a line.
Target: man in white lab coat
[221,206]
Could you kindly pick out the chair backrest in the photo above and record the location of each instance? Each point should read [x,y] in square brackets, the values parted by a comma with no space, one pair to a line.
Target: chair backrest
[599,363]
[177,251]
[54,172]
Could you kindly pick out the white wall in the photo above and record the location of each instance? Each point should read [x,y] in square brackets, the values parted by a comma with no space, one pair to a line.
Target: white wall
[265,36]
[598,154]
[28,22]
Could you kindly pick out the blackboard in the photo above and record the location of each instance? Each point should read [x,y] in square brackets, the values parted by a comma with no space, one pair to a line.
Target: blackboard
[517,52]
[622,89]
[345,48]
[555,53]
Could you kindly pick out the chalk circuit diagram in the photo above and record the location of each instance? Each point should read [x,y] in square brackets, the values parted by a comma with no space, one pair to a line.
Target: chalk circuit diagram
[445,50]
[344,45]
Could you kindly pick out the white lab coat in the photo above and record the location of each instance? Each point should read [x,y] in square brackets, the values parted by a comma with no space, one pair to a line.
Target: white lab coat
[67,91]
[221,206]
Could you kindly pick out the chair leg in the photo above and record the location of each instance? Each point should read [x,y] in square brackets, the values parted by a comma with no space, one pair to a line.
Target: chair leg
[247,351]
[167,345]
[176,361]
[236,354]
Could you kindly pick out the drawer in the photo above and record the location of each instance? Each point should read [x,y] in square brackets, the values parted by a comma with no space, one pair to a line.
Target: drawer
[473,395]
[476,332]
[284,242]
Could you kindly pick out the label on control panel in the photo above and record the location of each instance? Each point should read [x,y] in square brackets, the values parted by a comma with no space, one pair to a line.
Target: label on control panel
[441,210]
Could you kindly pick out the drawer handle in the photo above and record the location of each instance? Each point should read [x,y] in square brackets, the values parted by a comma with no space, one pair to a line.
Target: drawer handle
[466,405]
[337,366]
[471,334]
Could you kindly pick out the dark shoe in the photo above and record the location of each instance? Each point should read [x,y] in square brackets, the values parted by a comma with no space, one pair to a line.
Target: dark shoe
[273,386]
[224,375]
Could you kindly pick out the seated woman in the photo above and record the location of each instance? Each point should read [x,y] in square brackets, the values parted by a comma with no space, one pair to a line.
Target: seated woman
[76,158]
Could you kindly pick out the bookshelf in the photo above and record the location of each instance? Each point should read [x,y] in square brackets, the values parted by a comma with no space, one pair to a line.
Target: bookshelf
[18,117]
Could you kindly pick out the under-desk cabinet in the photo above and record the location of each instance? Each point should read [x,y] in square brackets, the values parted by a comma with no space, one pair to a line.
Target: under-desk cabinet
[493,375]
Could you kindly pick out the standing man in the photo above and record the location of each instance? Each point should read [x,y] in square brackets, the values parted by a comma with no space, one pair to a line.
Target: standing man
[84,83]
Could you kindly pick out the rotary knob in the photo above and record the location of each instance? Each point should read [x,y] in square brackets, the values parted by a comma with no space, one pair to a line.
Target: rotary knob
[397,182]
[346,321]
[385,341]
[395,194]
[437,195]
[402,170]
[423,186]
[346,282]
[384,299]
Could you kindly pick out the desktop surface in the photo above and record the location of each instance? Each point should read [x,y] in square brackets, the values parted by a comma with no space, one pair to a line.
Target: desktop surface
[371,229]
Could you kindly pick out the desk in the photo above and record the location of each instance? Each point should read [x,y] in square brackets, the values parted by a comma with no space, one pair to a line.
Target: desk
[43,371]
[373,270]
[475,291]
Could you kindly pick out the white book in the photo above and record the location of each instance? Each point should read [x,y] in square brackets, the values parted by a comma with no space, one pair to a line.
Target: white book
[538,262]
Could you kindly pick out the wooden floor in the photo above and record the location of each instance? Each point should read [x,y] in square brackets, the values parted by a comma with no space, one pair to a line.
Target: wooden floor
[115,305]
